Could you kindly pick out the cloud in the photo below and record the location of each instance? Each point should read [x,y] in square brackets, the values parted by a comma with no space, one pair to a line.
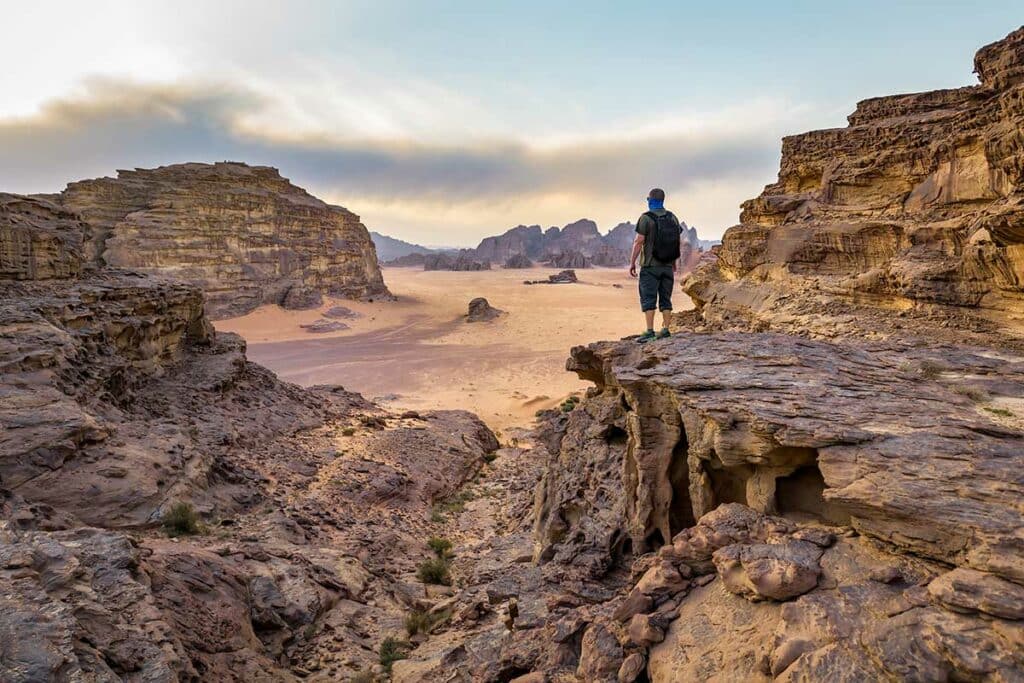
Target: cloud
[436,192]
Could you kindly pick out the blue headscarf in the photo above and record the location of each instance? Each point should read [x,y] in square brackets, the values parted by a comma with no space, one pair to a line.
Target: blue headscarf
[653,204]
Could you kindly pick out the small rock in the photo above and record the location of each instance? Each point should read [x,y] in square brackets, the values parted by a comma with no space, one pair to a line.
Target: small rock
[481,311]
[322,325]
[631,668]
[642,632]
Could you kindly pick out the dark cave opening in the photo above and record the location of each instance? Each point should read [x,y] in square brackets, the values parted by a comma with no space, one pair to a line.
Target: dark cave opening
[728,484]
[680,514]
[655,539]
[800,495]
[616,436]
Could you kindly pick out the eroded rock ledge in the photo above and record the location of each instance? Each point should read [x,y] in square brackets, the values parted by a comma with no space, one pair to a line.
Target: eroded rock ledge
[869,478]
[118,403]
[244,234]
[910,217]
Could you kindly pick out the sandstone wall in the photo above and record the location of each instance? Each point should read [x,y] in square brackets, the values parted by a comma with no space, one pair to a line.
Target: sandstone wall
[244,234]
[916,206]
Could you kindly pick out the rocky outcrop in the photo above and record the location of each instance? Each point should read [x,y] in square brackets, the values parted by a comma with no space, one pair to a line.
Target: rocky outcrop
[564,277]
[569,260]
[758,493]
[38,241]
[298,515]
[481,311]
[244,234]
[462,261]
[518,261]
[522,240]
[915,208]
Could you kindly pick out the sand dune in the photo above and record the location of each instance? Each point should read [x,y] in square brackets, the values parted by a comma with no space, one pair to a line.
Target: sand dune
[418,352]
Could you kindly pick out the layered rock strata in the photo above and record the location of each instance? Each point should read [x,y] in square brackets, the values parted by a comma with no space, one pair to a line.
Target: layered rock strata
[244,234]
[914,208]
[305,511]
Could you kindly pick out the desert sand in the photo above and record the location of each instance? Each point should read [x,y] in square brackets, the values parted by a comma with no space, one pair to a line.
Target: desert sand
[418,352]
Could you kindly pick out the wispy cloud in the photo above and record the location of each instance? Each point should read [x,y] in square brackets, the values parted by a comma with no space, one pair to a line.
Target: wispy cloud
[441,192]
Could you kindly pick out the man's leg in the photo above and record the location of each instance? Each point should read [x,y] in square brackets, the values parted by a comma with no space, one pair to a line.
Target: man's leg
[665,284]
[648,300]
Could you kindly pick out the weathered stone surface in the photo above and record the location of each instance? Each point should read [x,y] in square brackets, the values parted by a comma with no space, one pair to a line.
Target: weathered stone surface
[340,312]
[323,325]
[244,234]
[968,590]
[480,311]
[460,261]
[915,209]
[38,240]
[568,260]
[763,571]
[117,402]
[518,261]
[299,298]
[779,424]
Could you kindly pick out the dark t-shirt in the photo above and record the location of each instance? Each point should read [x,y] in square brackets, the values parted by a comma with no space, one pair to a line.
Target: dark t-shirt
[646,226]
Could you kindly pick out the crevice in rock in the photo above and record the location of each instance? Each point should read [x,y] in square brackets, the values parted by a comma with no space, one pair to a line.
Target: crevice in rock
[655,540]
[680,515]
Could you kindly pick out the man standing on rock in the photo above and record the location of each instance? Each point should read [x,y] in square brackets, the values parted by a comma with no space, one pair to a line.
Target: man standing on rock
[657,240]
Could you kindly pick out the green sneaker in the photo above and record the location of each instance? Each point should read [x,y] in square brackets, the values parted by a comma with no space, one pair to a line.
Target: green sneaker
[646,337]
[664,334]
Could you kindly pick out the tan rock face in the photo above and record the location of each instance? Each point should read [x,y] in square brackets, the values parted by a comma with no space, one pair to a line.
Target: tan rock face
[38,240]
[117,403]
[244,234]
[915,207]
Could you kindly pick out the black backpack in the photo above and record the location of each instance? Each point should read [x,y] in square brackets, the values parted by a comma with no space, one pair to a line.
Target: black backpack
[666,236]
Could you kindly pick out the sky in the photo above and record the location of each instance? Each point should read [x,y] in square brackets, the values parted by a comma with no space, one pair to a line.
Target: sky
[441,122]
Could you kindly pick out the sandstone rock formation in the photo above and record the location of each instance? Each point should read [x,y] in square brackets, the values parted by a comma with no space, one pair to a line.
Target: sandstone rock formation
[576,245]
[564,277]
[480,311]
[518,261]
[915,207]
[735,504]
[242,233]
[461,261]
[118,403]
[569,260]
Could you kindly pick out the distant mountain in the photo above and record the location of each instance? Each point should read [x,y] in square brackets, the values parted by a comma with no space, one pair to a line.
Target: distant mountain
[389,248]
[580,242]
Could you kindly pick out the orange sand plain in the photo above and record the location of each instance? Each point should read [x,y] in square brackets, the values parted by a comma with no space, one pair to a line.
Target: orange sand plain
[419,353]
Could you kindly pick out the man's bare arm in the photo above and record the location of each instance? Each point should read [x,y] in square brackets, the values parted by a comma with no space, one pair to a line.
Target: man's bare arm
[638,245]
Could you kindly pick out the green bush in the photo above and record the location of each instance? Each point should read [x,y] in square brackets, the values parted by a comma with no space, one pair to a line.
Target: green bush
[348,431]
[391,650]
[421,621]
[973,393]
[1002,412]
[441,546]
[182,520]
[435,571]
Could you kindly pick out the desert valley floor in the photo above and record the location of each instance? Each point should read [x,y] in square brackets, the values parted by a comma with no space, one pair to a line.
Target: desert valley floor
[419,353]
